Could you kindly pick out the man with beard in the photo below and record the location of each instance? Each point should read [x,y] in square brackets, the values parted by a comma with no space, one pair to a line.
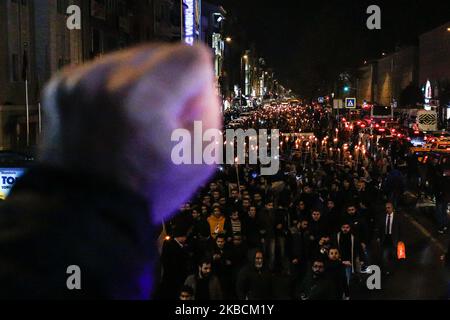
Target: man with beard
[332,216]
[299,245]
[309,197]
[298,212]
[348,193]
[235,198]
[259,204]
[349,248]
[204,285]
[215,196]
[245,205]
[316,285]
[252,234]
[360,229]
[336,270]
[222,263]
[254,281]
[233,224]
[317,229]
[267,222]
[200,236]
[238,257]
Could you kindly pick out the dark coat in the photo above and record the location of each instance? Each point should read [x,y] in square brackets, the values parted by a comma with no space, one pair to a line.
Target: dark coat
[313,288]
[176,264]
[300,246]
[54,219]
[215,290]
[397,228]
[336,271]
[253,284]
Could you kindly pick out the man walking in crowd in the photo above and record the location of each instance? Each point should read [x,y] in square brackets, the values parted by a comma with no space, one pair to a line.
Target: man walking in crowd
[390,233]
[254,281]
[317,285]
[204,284]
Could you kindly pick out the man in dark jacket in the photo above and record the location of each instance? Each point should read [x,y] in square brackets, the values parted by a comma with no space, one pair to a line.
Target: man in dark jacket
[299,250]
[254,281]
[252,234]
[317,285]
[349,248]
[176,264]
[222,265]
[389,234]
[359,226]
[267,222]
[238,258]
[205,285]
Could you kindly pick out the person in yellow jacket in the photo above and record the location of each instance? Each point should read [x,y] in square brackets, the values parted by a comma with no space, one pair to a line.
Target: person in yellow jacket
[216,222]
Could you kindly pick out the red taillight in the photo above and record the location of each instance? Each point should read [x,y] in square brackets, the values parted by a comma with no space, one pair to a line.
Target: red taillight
[363,126]
[377,125]
[416,132]
[399,135]
[383,122]
[381,130]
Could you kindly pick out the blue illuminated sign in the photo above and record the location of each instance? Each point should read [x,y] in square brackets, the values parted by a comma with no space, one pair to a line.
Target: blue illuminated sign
[191,21]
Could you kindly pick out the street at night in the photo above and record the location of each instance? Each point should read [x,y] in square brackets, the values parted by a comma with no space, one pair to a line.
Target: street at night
[224,150]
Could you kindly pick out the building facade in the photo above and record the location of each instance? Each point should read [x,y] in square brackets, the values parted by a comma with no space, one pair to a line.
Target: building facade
[434,65]
[36,42]
[385,80]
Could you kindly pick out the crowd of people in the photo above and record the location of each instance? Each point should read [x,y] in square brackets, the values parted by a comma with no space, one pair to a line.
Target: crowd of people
[308,232]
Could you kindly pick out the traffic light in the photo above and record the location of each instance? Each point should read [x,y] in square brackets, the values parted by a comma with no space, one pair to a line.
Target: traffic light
[346,89]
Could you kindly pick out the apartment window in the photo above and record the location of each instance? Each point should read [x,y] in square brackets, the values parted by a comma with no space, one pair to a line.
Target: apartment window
[14,67]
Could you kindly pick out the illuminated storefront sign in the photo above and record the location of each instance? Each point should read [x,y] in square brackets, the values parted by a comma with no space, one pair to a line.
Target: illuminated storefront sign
[428,92]
[8,177]
[191,21]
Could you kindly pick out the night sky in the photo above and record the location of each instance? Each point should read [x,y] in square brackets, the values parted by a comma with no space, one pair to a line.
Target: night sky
[309,43]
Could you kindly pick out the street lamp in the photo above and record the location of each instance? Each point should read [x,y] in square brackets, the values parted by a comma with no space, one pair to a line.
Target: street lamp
[228,39]
[448,29]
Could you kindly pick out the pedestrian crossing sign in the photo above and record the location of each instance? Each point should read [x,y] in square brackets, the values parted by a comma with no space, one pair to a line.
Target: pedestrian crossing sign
[350,103]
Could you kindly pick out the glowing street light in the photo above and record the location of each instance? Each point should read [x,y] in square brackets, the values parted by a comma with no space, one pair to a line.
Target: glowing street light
[228,39]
